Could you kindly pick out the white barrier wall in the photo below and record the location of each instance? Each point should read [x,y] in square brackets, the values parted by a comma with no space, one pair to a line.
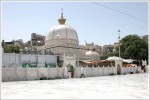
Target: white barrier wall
[41,60]
[12,59]
[60,72]
[88,71]
[32,73]
[9,74]
[52,73]
[106,71]
[25,58]
[95,71]
[43,72]
[77,72]
[50,59]
[126,70]
[23,74]
[101,71]
[33,59]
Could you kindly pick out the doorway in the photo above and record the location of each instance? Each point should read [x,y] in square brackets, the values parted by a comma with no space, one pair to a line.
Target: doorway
[118,69]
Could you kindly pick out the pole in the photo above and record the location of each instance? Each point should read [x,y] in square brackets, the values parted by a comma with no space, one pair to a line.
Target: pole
[119,49]
[119,42]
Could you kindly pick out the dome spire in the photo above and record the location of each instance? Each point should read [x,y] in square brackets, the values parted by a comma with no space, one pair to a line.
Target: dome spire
[61,20]
[62,13]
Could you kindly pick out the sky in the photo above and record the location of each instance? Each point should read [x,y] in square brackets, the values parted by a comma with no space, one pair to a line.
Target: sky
[94,22]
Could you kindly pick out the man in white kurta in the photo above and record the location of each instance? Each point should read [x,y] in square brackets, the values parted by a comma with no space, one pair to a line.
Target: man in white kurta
[82,72]
[65,72]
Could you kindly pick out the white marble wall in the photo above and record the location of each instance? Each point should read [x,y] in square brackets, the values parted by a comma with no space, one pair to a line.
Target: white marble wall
[12,59]
[23,74]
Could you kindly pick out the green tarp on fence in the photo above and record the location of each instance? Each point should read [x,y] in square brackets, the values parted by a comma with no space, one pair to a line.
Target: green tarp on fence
[25,65]
[29,65]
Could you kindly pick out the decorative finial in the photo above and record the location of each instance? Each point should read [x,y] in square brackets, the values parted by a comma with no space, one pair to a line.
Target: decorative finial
[61,20]
[62,13]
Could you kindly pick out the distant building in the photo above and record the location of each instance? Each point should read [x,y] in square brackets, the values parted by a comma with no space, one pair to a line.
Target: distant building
[32,45]
[37,40]
[106,49]
[92,46]
[18,42]
[6,43]
[115,47]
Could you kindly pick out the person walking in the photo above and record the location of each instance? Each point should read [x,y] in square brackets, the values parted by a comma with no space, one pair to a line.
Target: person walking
[144,68]
[82,72]
[65,72]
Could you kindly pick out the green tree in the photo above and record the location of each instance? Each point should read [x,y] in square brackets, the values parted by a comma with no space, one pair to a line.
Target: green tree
[135,47]
[11,49]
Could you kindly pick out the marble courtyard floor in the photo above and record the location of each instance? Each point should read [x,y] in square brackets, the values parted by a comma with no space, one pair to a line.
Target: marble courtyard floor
[131,86]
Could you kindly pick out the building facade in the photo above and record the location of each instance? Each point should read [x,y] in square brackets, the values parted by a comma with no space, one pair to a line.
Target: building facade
[63,39]
[37,40]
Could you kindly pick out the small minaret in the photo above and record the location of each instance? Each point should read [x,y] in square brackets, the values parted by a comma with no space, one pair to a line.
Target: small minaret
[61,20]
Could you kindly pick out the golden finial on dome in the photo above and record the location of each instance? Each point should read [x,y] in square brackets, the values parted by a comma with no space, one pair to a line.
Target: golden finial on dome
[61,20]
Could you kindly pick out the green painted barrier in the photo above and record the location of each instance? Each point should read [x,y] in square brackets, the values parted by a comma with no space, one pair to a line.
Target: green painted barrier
[33,66]
[25,65]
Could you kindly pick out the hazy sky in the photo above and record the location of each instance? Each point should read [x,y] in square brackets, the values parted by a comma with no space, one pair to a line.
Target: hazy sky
[98,23]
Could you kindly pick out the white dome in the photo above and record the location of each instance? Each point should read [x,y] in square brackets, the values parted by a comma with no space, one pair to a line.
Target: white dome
[61,35]
[61,31]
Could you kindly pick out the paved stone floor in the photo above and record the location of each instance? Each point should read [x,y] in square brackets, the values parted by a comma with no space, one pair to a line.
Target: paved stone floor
[131,86]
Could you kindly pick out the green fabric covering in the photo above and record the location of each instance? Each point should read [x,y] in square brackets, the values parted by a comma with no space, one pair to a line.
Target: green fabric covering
[71,69]
[25,65]
[28,65]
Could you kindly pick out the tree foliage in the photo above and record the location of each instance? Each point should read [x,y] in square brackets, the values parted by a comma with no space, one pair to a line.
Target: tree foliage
[11,49]
[135,47]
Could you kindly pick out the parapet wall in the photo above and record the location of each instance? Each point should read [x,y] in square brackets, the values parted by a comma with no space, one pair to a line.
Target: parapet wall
[25,74]
[12,59]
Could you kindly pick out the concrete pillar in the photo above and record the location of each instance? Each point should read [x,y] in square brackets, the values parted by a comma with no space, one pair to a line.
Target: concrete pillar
[103,70]
[93,71]
[108,69]
[98,71]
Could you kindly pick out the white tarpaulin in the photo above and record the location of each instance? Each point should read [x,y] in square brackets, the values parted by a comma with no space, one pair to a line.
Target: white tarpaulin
[114,58]
[118,58]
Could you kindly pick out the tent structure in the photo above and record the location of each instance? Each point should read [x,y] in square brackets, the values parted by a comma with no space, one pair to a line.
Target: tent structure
[117,58]
[109,60]
[128,60]
[114,58]
[94,62]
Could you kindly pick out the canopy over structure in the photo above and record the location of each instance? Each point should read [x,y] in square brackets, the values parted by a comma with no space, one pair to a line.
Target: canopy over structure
[114,58]
[128,60]
[118,58]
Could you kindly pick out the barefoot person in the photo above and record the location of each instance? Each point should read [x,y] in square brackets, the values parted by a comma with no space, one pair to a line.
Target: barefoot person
[82,72]
[65,72]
